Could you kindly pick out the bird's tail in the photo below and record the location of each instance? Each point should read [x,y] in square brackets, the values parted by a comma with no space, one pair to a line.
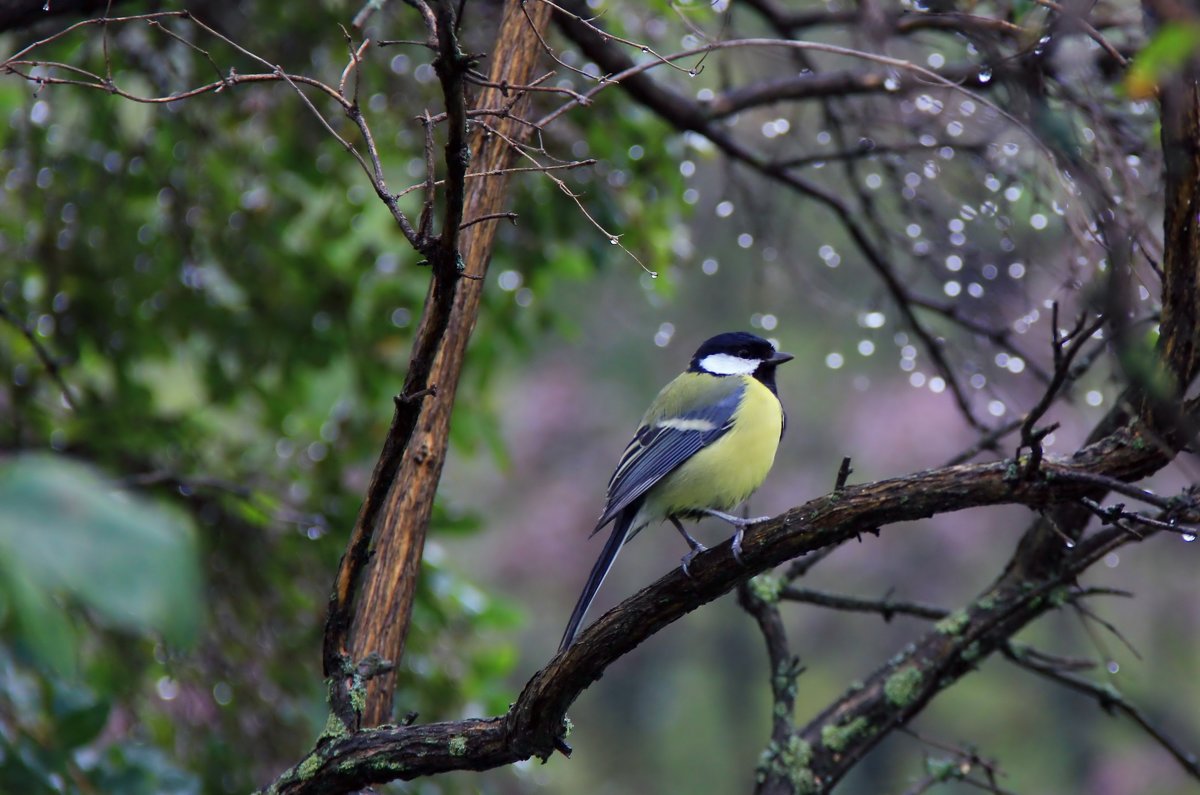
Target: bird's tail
[609,554]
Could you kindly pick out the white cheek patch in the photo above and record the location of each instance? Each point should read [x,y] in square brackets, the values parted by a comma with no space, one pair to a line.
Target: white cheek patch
[685,424]
[724,364]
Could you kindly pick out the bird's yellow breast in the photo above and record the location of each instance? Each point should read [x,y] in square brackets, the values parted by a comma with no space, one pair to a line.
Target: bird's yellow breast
[729,470]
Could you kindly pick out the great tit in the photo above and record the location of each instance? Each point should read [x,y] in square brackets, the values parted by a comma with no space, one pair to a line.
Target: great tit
[704,445]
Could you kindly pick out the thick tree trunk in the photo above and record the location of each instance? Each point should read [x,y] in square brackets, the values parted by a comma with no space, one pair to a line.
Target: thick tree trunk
[385,606]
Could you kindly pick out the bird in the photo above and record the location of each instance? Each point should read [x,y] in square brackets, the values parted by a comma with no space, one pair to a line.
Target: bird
[705,444]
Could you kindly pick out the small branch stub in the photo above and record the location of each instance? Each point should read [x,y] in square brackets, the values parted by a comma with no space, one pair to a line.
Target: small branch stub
[844,473]
[429,391]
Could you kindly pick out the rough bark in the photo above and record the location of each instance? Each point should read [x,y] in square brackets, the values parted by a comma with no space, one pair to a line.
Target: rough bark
[385,605]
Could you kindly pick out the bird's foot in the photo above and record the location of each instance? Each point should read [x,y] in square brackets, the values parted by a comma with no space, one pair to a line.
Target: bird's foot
[736,546]
[736,521]
[690,556]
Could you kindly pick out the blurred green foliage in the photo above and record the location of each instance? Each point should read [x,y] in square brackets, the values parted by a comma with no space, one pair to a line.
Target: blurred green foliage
[129,561]
[1166,52]
[231,309]
[72,550]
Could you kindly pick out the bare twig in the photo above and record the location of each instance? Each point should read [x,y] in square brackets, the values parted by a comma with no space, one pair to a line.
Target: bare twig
[987,441]
[960,765]
[511,217]
[934,78]
[1111,700]
[1065,349]
[614,239]
[1117,516]
[686,115]
[538,169]
[803,565]
[48,361]
[1107,483]
[887,608]
[18,64]
[759,598]
[480,80]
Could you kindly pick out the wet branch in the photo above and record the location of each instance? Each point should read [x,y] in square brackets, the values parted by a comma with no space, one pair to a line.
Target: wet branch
[1109,699]
[759,598]
[534,725]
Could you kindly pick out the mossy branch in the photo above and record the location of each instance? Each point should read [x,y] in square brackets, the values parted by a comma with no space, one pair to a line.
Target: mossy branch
[535,724]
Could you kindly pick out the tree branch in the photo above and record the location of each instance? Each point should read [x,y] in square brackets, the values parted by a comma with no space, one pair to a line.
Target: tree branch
[48,361]
[399,502]
[534,725]
[760,598]
[1109,699]
[687,116]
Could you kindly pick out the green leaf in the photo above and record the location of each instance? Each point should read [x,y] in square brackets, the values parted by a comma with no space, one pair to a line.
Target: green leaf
[1171,46]
[82,726]
[42,625]
[21,771]
[1020,8]
[78,714]
[65,529]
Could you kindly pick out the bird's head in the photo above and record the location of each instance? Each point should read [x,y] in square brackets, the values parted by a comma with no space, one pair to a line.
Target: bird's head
[738,353]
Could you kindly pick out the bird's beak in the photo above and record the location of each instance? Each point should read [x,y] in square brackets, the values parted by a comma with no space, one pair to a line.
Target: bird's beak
[780,357]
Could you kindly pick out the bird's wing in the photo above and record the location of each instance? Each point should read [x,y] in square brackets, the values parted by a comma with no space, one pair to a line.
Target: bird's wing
[666,440]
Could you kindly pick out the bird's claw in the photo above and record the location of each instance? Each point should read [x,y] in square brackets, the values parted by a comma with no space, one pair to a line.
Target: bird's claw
[736,521]
[736,546]
[687,559]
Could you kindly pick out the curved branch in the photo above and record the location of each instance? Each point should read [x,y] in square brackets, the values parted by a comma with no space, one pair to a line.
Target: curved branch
[687,116]
[534,725]
[842,84]
[1109,699]
[625,69]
